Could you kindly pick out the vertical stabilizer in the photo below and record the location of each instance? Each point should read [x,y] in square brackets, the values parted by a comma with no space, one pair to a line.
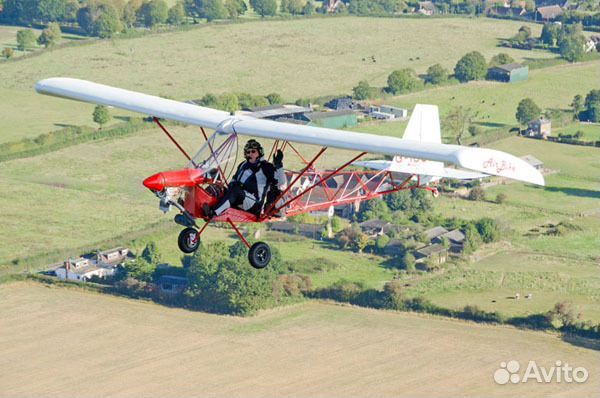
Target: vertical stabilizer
[424,125]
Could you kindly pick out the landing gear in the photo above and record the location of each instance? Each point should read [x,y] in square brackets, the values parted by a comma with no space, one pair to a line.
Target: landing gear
[188,240]
[259,255]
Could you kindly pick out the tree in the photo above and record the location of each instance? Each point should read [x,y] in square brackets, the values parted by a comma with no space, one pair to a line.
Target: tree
[50,36]
[131,12]
[213,9]
[501,59]
[51,10]
[176,14]
[362,91]
[101,115]
[235,8]
[488,230]
[274,99]
[309,8]
[402,81]
[25,39]
[408,261]
[140,269]
[564,312]
[592,106]
[229,102]
[99,19]
[577,106]
[264,7]
[7,52]
[154,12]
[472,238]
[471,66]
[549,34]
[527,110]
[457,121]
[571,47]
[151,253]
[436,74]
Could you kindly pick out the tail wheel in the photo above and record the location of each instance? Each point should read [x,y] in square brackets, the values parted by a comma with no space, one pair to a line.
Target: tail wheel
[259,255]
[188,240]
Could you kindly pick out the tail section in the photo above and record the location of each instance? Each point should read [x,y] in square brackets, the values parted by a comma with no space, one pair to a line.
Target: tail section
[424,125]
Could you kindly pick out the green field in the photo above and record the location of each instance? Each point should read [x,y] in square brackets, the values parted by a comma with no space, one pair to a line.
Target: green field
[293,58]
[79,343]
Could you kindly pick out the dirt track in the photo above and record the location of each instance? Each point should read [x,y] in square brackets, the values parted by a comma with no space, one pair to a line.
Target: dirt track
[66,342]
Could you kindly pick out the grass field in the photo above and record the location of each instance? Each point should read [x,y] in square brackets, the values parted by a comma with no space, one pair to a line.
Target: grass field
[293,58]
[79,343]
[494,104]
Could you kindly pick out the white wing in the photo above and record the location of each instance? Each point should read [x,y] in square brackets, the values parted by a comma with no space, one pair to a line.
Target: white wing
[444,172]
[487,161]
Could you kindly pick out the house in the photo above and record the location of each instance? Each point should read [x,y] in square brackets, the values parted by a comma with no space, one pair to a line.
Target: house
[435,232]
[374,228]
[540,128]
[590,45]
[342,103]
[308,230]
[533,161]
[277,112]
[332,5]
[596,40]
[114,257]
[426,8]
[436,252]
[82,269]
[332,119]
[509,73]
[548,13]
[171,285]
[507,12]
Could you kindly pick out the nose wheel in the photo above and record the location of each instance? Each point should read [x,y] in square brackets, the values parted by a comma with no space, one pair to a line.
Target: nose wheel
[188,240]
[259,255]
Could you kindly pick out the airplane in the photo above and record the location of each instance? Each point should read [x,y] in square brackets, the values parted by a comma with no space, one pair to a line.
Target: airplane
[418,160]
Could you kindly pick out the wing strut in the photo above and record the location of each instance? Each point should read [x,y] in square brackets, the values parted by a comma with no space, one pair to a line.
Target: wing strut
[174,142]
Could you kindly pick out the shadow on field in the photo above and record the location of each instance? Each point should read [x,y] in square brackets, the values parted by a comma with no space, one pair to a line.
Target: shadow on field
[581,342]
[64,125]
[583,193]
[493,125]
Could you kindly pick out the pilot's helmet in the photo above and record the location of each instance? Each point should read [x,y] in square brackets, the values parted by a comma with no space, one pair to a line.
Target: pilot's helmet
[253,144]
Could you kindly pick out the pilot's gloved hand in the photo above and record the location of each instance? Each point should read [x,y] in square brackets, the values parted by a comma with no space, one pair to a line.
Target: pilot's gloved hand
[278,159]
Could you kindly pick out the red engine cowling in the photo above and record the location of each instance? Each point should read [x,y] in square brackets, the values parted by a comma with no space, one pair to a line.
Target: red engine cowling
[178,178]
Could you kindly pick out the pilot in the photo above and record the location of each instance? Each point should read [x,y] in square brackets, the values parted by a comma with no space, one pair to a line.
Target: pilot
[255,180]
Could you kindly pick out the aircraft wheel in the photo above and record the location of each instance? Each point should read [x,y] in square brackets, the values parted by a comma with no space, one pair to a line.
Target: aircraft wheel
[435,193]
[188,240]
[259,255]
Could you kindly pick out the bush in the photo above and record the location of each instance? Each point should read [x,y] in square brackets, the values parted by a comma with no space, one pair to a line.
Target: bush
[25,39]
[500,198]
[477,193]
[7,52]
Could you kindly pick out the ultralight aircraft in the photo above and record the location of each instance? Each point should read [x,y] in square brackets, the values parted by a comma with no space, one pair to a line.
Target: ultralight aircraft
[417,161]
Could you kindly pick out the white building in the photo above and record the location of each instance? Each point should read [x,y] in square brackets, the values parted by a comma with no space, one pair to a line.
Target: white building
[82,269]
[387,112]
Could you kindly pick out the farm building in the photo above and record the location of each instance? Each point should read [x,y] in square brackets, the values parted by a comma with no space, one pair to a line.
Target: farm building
[277,112]
[509,73]
[375,228]
[506,11]
[540,128]
[437,252]
[435,232]
[333,119]
[387,112]
[548,13]
[342,103]
[456,238]
[171,285]
[535,162]
[394,247]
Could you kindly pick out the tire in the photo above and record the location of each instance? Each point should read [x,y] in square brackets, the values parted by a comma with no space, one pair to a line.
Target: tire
[186,240]
[259,255]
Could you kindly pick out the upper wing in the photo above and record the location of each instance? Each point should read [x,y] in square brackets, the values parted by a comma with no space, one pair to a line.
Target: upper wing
[484,160]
